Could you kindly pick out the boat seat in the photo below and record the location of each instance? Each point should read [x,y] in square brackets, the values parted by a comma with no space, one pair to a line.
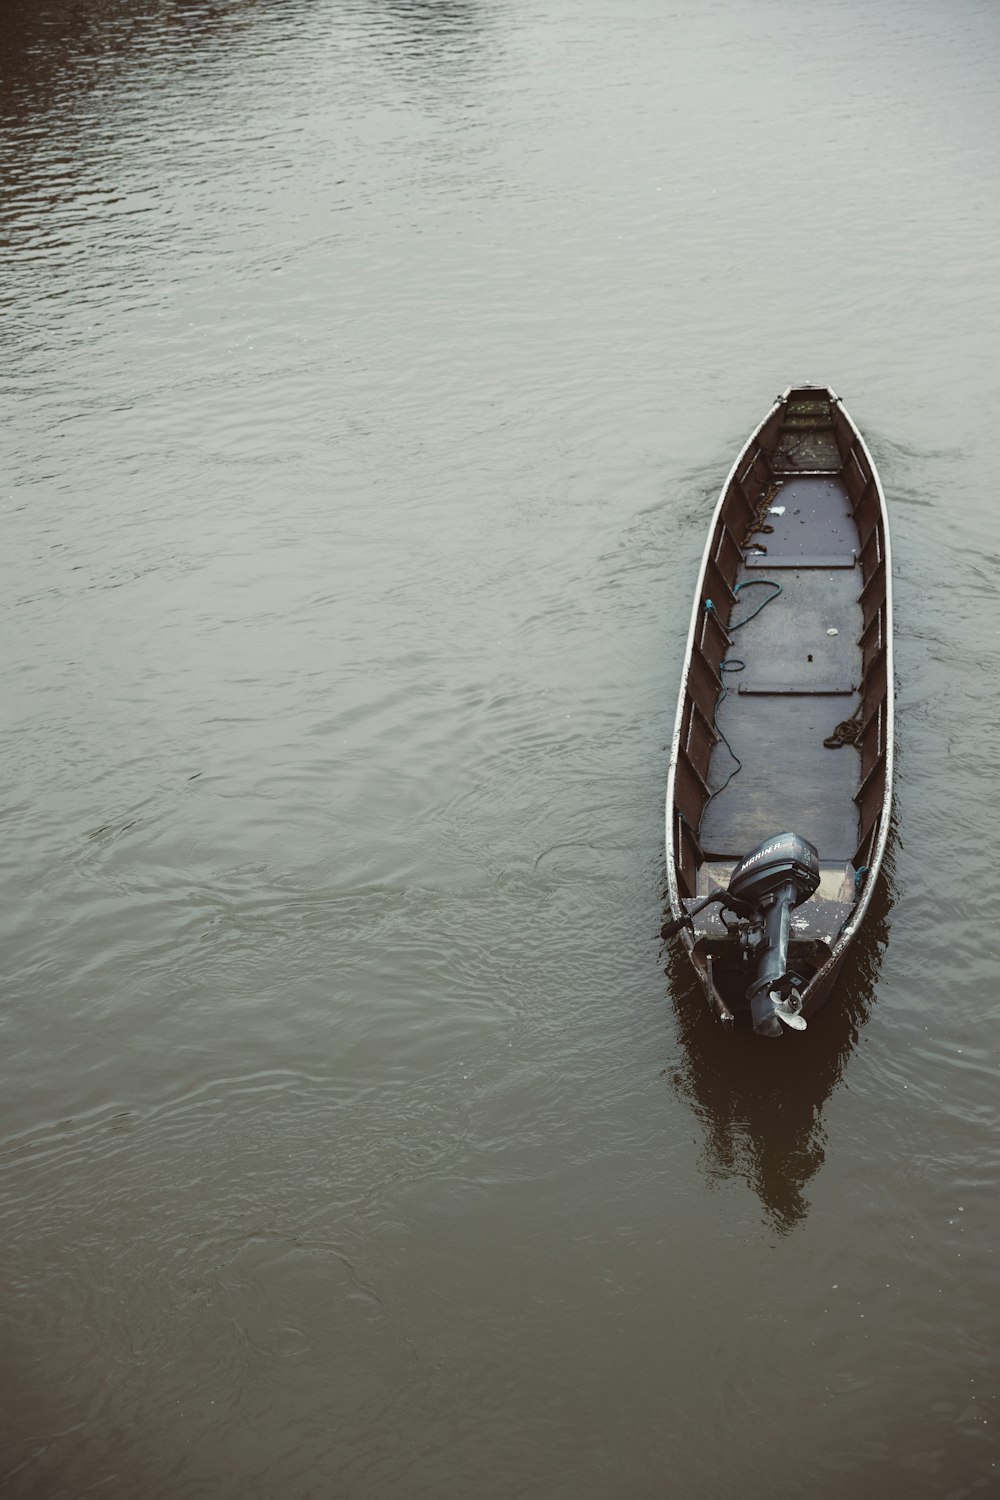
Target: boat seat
[836,880]
[801,560]
[807,690]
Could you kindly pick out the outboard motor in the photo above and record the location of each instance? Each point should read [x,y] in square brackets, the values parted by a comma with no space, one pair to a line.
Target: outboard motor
[773,879]
[764,889]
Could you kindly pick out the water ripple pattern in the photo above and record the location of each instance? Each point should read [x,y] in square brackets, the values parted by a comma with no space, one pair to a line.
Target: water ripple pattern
[369,372]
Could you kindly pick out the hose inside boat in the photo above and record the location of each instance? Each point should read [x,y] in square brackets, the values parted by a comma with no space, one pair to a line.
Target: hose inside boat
[734,664]
[749,583]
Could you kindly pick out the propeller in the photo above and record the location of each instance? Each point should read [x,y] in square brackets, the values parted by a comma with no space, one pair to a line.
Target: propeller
[787,1010]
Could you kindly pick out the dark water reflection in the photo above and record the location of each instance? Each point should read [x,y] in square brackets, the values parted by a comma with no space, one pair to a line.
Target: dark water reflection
[42,45]
[761,1106]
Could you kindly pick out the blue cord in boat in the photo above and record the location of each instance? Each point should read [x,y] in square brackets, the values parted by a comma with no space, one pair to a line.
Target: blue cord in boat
[746,584]
[733,664]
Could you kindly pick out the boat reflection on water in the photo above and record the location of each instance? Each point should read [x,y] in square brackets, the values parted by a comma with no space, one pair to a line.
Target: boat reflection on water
[761,1103]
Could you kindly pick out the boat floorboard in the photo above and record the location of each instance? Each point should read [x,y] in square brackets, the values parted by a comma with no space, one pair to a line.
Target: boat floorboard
[798,683]
[789,780]
[817,518]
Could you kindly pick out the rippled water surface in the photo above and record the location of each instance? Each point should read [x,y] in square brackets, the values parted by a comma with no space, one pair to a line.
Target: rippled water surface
[369,370]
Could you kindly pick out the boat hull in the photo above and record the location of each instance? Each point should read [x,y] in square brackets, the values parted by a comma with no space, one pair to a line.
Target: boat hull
[785,710]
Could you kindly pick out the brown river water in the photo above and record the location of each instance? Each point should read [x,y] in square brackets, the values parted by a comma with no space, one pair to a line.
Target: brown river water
[369,369]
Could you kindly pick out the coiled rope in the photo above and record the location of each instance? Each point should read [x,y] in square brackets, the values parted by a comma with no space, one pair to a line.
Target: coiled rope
[759,526]
[847,732]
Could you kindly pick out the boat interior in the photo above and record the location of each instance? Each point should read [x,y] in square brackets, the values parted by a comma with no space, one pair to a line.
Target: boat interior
[790,652]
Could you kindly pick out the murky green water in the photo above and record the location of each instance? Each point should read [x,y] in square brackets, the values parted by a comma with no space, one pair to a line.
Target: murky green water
[369,372]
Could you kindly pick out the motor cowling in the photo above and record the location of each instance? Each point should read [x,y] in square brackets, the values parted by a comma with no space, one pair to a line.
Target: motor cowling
[784,859]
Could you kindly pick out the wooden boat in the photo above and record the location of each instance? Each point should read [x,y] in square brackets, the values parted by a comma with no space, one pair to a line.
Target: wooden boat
[780,782]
